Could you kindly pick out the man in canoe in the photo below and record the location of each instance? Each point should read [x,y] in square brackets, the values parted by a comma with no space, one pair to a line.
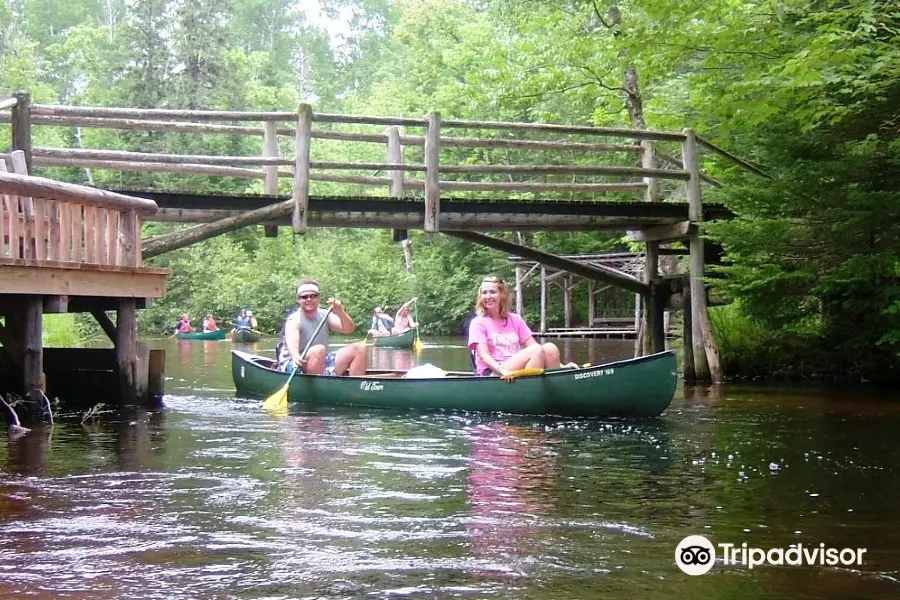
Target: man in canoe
[382,323]
[500,339]
[302,324]
[242,320]
[403,322]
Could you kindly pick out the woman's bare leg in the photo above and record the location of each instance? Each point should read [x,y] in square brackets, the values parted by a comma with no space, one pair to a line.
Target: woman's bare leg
[530,357]
[551,356]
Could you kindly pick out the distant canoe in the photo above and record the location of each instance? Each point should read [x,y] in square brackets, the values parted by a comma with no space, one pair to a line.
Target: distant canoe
[244,335]
[637,387]
[403,340]
[218,334]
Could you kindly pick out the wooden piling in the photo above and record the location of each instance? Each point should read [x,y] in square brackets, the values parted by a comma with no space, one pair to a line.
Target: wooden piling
[652,333]
[687,338]
[21,126]
[32,347]
[270,183]
[395,187]
[156,370]
[543,299]
[301,168]
[706,355]
[520,295]
[432,173]
[126,349]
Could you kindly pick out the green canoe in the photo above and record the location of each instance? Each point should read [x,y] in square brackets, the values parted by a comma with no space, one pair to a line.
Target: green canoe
[244,335]
[218,334]
[635,387]
[403,340]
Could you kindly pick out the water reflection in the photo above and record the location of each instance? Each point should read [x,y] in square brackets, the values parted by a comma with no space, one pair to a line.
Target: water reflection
[28,453]
[214,498]
[392,359]
[511,481]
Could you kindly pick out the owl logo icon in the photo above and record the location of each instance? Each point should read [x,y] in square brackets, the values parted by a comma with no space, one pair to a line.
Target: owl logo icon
[695,555]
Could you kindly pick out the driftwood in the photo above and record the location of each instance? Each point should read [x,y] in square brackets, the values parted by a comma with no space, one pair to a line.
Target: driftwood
[16,429]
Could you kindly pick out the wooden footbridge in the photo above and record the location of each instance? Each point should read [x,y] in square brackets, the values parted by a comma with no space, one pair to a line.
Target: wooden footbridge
[505,177]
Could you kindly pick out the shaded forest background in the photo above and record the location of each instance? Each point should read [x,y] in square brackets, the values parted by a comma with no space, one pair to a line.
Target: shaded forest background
[807,89]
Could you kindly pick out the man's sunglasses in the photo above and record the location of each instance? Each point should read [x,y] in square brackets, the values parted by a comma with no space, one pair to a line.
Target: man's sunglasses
[308,296]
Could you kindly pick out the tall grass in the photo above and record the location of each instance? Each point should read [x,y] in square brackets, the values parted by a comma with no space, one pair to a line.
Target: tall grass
[62,331]
[749,349]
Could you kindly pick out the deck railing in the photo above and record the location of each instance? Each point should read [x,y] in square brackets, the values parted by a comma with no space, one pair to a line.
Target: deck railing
[46,221]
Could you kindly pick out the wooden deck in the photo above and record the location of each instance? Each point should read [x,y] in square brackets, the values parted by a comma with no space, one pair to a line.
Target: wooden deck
[70,248]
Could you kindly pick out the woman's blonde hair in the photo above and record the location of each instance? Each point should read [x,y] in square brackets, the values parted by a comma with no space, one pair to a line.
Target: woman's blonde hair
[504,296]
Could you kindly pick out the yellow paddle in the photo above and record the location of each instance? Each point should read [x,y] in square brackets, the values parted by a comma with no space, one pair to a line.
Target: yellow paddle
[512,376]
[278,400]
[418,345]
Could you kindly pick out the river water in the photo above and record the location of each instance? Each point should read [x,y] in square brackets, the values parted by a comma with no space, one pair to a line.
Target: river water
[211,497]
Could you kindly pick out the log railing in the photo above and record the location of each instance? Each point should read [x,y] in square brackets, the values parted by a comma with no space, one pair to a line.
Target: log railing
[46,221]
[578,169]
[574,169]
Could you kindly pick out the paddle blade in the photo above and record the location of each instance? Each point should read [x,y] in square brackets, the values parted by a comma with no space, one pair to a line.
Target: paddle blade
[418,345]
[278,400]
[510,377]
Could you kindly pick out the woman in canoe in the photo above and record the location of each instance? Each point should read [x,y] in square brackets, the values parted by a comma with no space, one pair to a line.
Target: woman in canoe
[184,325]
[209,323]
[402,320]
[500,339]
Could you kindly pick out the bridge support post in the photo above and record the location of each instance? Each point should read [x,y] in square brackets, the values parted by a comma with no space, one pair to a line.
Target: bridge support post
[301,168]
[432,173]
[270,183]
[543,299]
[21,126]
[126,350]
[651,324]
[395,188]
[706,354]
[32,346]
[687,338]
[520,296]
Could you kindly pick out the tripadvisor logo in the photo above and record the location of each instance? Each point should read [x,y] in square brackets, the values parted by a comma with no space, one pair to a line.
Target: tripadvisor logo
[695,555]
